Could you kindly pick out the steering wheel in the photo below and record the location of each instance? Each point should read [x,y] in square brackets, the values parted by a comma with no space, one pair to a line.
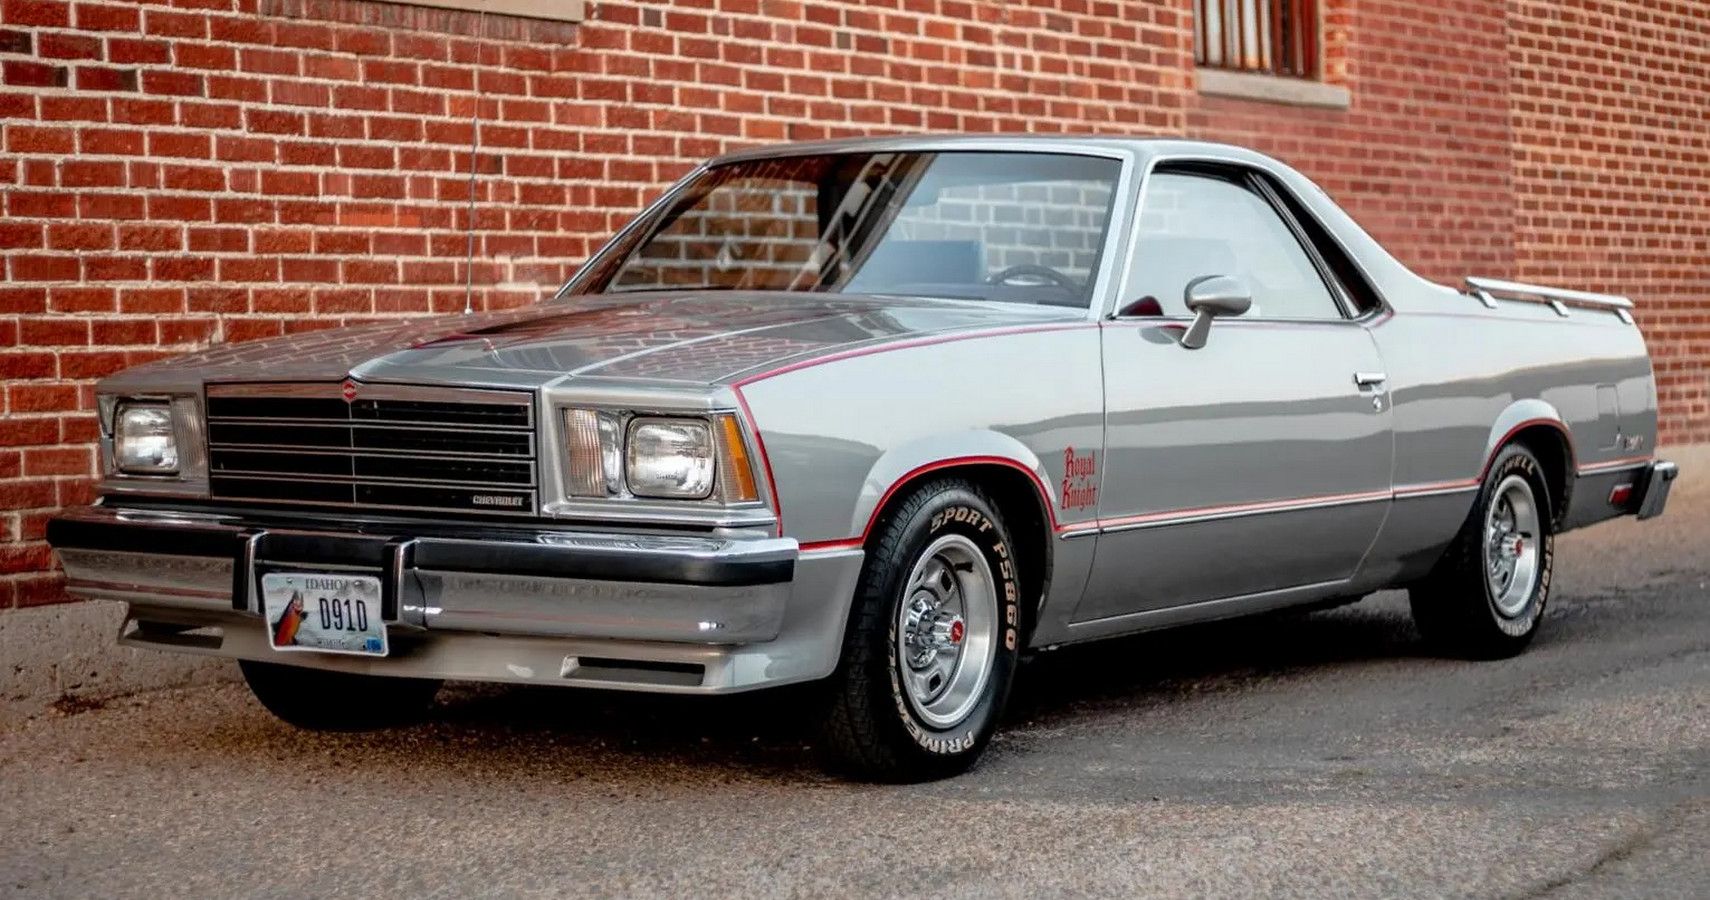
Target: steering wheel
[1035,271]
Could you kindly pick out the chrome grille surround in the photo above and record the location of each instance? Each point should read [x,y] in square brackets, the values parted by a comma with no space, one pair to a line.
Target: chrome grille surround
[399,447]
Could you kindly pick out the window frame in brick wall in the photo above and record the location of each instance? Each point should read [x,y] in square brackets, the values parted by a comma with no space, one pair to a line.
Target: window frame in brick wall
[1270,37]
[537,20]
[1278,63]
[553,10]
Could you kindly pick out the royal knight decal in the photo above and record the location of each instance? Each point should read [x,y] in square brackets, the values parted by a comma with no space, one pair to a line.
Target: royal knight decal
[1080,479]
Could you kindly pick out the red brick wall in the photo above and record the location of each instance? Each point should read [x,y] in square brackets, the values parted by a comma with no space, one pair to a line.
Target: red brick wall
[1611,115]
[1422,156]
[195,170]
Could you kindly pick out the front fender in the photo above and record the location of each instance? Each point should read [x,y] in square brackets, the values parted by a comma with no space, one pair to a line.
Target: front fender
[903,465]
[841,436]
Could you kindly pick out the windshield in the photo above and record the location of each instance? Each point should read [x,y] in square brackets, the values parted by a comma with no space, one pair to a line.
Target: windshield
[1015,227]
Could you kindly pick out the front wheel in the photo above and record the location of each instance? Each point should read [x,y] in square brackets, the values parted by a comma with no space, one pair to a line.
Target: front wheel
[932,642]
[318,700]
[1486,597]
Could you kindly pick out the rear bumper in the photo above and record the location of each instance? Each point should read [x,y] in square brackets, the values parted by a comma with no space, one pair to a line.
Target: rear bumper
[694,613]
[1640,489]
[1653,487]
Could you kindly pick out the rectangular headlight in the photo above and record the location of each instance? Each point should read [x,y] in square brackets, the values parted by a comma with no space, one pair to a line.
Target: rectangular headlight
[669,459]
[145,441]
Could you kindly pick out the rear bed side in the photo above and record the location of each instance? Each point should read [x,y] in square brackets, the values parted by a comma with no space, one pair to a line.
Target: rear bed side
[1577,388]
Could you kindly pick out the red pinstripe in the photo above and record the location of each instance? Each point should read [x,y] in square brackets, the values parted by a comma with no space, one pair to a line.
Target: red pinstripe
[765,459]
[1160,516]
[1610,464]
[872,519]
[1255,507]
[1408,490]
[906,345]
[1503,441]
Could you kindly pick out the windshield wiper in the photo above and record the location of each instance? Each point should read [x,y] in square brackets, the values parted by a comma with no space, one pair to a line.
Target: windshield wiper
[915,295]
[662,290]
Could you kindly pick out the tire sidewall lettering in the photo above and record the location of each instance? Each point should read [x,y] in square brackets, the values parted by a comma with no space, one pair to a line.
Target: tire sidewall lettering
[966,736]
[1523,465]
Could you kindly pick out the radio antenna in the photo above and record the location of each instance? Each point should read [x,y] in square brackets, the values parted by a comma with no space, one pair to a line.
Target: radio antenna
[474,153]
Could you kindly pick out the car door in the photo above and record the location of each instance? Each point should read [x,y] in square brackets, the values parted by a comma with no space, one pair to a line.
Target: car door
[1259,462]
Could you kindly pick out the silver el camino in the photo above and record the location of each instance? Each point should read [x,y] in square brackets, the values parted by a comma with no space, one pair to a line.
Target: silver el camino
[882,415]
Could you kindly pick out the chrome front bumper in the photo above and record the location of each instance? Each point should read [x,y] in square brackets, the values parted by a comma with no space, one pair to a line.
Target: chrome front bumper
[687,613]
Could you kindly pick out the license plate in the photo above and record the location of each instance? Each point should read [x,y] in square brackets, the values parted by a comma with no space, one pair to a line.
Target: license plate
[324,613]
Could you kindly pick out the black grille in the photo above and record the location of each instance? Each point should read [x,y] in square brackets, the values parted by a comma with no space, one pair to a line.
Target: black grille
[472,452]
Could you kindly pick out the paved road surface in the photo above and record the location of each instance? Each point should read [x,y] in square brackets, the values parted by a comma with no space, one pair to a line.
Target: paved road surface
[1315,755]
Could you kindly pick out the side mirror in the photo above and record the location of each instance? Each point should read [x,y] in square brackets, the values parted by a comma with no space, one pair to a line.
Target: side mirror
[1210,296]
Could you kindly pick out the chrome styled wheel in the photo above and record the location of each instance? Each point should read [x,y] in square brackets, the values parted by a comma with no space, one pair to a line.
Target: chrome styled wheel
[1485,597]
[933,641]
[946,630]
[1512,545]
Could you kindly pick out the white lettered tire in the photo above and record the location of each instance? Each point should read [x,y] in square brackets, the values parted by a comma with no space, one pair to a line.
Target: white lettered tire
[933,639]
[1485,599]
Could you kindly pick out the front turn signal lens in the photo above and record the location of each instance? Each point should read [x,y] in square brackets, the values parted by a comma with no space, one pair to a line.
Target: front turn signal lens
[595,459]
[736,468]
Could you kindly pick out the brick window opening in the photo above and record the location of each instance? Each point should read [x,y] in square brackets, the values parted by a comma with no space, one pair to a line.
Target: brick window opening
[1268,37]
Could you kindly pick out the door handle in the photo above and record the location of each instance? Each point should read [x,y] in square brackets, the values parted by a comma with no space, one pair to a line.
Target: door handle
[1370,379]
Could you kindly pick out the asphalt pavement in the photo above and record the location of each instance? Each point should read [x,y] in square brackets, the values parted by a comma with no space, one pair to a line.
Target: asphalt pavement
[1321,754]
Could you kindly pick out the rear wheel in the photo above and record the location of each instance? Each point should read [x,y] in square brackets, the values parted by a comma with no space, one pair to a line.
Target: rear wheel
[932,641]
[319,700]
[1486,597]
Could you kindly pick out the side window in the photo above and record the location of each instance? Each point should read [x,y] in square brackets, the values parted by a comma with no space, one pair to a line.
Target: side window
[1195,225]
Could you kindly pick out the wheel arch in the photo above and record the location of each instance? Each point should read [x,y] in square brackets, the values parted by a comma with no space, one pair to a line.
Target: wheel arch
[1001,466]
[1538,427]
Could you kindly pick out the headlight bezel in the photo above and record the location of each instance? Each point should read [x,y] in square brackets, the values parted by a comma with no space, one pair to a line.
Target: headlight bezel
[733,460]
[191,476]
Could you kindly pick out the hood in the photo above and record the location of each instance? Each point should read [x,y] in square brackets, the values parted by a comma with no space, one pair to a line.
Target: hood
[696,337]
